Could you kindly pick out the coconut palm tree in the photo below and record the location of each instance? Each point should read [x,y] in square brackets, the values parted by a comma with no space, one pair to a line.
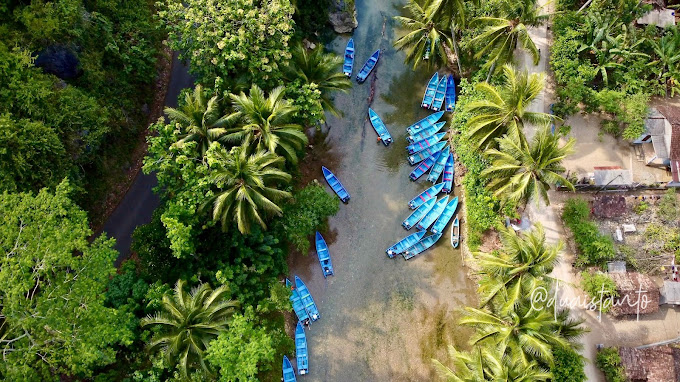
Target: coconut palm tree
[522,265]
[188,322]
[319,68]
[200,120]
[667,59]
[487,363]
[520,173]
[426,39]
[502,109]
[247,186]
[520,330]
[508,30]
[265,123]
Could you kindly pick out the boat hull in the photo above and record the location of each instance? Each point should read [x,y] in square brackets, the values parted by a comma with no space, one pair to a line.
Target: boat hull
[348,65]
[455,233]
[440,94]
[430,91]
[425,196]
[448,174]
[368,66]
[295,300]
[379,127]
[423,167]
[426,132]
[324,256]
[445,217]
[424,143]
[450,93]
[424,123]
[288,371]
[307,300]
[421,246]
[335,184]
[424,154]
[438,166]
[433,214]
[301,350]
[418,214]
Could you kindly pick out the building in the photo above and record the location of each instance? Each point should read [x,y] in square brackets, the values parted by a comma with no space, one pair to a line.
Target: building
[660,16]
[670,293]
[611,176]
[653,364]
[663,135]
[633,288]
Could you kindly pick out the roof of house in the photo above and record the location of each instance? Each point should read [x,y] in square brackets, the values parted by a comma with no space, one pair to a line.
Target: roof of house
[637,294]
[616,267]
[613,177]
[660,17]
[654,364]
[670,293]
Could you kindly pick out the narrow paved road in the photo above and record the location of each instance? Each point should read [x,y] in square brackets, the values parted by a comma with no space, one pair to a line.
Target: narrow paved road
[139,203]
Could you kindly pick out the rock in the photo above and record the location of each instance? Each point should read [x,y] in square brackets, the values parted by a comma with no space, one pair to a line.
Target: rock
[343,17]
[60,61]
[308,44]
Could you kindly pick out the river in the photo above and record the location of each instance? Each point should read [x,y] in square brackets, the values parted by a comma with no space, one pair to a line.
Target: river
[382,319]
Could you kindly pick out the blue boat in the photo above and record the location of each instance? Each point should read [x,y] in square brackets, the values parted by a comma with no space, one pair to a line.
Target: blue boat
[448,174]
[349,58]
[438,166]
[425,196]
[298,307]
[421,246]
[418,214]
[368,66]
[424,154]
[425,122]
[450,93]
[301,350]
[335,184]
[324,255]
[439,95]
[455,233]
[380,128]
[307,299]
[405,243]
[433,214]
[425,143]
[423,166]
[426,132]
[430,91]
[445,217]
[288,372]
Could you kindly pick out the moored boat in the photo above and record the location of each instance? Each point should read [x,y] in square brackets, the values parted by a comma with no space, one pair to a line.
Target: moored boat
[425,122]
[405,243]
[418,214]
[425,196]
[335,184]
[433,214]
[295,300]
[288,371]
[307,300]
[368,66]
[301,350]
[380,128]
[448,174]
[430,91]
[425,143]
[426,132]
[424,154]
[445,217]
[423,166]
[348,66]
[438,166]
[450,93]
[324,255]
[455,233]
[421,246]
[439,95]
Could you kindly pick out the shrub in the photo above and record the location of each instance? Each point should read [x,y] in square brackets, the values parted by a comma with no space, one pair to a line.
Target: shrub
[609,361]
[569,366]
[641,207]
[600,288]
[594,247]
[669,208]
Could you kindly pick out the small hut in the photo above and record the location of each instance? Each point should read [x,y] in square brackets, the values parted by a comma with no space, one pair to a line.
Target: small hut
[654,364]
[634,288]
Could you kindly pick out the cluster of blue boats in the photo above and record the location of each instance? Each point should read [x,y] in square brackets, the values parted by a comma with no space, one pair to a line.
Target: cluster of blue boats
[438,90]
[348,65]
[306,311]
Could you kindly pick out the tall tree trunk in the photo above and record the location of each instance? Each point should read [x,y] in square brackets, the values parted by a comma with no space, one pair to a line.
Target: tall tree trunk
[491,70]
[455,48]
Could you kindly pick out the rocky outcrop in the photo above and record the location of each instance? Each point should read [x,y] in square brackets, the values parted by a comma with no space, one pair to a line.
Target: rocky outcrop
[60,61]
[343,16]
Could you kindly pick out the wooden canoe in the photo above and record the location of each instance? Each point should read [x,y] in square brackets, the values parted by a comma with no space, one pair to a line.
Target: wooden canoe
[301,350]
[418,214]
[421,246]
[426,132]
[288,371]
[368,66]
[455,233]
[324,256]
[424,123]
[439,95]
[380,128]
[450,93]
[335,184]
[425,196]
[433,214]
[445,217]
[425,143]
[348,66]
[448,174]
[402,245]
[307,299]
[295,300]
[438,166]
[430,91]
[424,154]
[423,167]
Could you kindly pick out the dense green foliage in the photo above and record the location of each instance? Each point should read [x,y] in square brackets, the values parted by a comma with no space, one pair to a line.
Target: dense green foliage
[594,247]
[609,361]
[569,366]
[83,126]
[54,318]
[600,289]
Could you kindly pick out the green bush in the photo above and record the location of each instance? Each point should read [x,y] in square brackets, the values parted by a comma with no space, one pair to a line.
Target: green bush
[569,366]
[641,207]
[594,247]
[669,207]
[609,361]
[600,288]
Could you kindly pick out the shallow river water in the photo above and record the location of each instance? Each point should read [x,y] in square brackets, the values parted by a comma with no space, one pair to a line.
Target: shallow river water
[382,319]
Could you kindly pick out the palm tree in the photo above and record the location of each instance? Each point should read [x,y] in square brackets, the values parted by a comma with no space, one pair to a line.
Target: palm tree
[488,363]
[666,51]
[265,123]
[246,184]
[521,266]
[520,330]
[520,173]
[188,322]
[321,69]
[502,34]
[502,109]
[426,38]
[200,120]
[452,13]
